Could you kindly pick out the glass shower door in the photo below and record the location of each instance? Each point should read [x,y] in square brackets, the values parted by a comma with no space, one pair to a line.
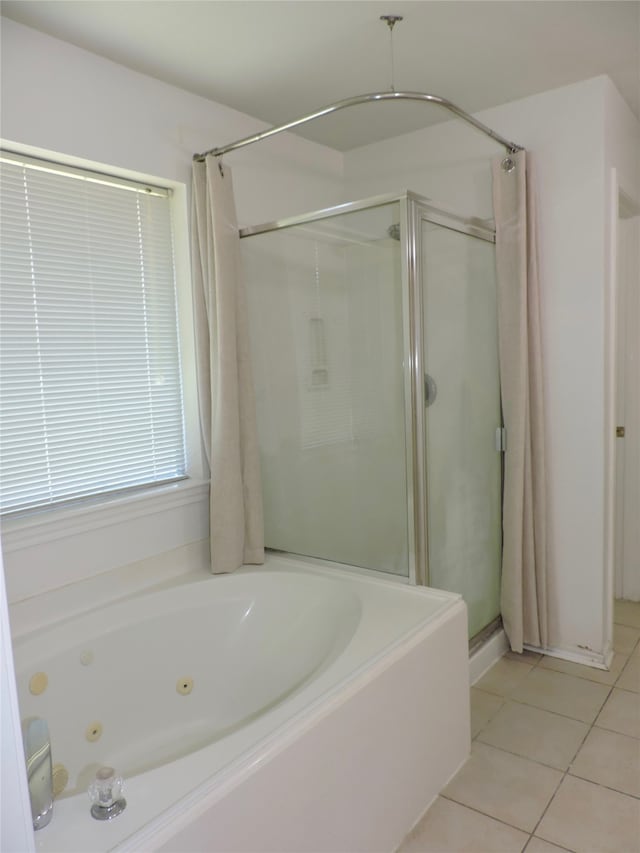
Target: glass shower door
[326,314]
[462,414]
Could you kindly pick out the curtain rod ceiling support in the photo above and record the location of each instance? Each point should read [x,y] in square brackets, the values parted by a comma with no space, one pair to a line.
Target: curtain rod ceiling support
[391,20]
[511,147]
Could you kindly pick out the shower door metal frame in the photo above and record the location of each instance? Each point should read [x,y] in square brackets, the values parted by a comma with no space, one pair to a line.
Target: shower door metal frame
[414,209]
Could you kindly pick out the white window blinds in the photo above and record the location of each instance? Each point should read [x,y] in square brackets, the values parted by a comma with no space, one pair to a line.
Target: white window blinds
[90,386]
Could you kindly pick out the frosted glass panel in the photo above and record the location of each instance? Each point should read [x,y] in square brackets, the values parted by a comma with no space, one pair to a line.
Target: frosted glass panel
[325,313]
[463,467]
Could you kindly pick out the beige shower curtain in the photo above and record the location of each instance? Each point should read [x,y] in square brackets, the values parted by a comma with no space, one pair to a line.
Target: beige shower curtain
[525,552]
[225,386]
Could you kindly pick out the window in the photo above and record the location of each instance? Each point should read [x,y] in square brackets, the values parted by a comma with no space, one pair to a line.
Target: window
[90,383]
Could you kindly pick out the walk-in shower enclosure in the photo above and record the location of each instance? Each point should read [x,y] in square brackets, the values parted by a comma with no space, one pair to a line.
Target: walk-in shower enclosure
[375,358]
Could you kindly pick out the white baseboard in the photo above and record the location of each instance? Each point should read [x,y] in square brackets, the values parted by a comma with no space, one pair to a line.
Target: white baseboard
[485,657]
[597,660]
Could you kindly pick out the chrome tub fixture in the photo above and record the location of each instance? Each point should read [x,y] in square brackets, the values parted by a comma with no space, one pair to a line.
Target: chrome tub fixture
[105,792]
[37,754]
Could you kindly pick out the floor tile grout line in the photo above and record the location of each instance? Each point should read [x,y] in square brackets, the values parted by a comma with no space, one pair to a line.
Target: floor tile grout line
[534,830]
[485,814]
[553,796]
[524,849]
[504,698]
[508,697]
[566,772]
[622,671]
[546,710]
[533,760]
[539,763]
[537,838]
[586,677]
[558,714]
[613,731]
[633,647]
[602,785]
[625,690]
[557,672]
[540,838]
[539,665]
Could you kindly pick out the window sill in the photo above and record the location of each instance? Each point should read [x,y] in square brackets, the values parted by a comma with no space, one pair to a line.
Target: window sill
[48,525]
[49,550]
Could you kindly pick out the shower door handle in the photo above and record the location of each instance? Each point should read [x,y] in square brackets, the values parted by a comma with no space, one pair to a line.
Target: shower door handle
[430,390]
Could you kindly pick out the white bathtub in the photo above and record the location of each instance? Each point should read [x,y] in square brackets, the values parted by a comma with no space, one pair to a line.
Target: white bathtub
[283,708]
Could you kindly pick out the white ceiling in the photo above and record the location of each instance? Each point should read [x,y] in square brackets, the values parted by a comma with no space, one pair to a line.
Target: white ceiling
[278,59]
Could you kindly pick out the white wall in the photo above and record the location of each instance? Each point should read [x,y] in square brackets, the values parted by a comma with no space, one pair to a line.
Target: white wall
[622,172]
[61,100]
[622,140]
[569,134]
[627,449]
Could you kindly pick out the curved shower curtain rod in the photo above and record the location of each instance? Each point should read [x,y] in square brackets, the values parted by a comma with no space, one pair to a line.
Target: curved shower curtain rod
[511,147]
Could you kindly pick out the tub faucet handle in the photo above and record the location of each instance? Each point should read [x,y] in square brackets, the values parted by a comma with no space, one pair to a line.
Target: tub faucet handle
[105,792]
[37,754]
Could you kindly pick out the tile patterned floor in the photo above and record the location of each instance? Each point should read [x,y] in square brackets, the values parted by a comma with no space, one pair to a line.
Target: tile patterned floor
[555,758]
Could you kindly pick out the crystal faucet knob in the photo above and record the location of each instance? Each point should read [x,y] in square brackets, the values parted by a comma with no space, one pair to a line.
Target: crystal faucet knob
[105,792]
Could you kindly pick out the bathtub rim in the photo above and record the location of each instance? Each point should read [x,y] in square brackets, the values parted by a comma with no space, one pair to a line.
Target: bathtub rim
[186,564]
[30,616]
[183,585]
